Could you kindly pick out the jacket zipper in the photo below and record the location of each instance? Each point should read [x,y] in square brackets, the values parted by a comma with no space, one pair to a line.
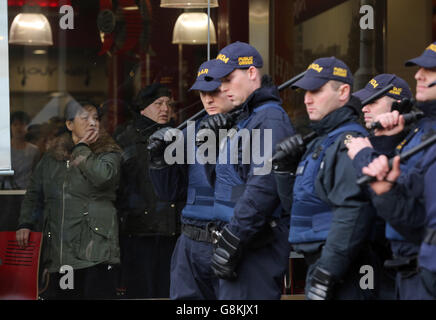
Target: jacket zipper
[63,213]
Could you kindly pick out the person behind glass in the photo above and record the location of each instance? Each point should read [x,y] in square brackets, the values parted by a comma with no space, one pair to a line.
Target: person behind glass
[74,183]
[35,137]
[24,155]
[399,195]
[252,253]
[331,219]
[191,274]
[149,227]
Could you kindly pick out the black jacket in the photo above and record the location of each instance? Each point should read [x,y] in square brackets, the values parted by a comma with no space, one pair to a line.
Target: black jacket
[141,212]
[353,217]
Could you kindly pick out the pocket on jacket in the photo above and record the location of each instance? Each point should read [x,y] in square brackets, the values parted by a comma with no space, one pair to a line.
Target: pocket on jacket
[97,233]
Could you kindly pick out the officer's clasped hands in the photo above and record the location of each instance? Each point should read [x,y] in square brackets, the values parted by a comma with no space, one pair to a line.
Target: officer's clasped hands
[386,177]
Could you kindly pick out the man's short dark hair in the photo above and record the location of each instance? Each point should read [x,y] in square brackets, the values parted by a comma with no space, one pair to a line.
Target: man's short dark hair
[21,116]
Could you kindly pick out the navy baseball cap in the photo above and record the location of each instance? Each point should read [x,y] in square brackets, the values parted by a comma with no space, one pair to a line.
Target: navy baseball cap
[400,90]
[204,81]
[426,60]
[323,70]
[237,55]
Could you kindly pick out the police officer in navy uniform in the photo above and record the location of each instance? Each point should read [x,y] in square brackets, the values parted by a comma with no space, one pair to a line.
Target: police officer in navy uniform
[332,223]
[390,101]
[402,203]
[399,99]
[191,274]
[251,253]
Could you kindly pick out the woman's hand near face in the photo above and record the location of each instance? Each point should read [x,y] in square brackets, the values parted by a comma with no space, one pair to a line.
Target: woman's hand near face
[90,137]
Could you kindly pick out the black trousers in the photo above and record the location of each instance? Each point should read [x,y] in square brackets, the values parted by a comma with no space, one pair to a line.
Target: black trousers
[96,282]
[145,266]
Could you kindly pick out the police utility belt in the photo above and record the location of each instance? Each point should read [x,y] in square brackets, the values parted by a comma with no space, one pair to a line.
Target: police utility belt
[403,264]
[410,264]
[211,233]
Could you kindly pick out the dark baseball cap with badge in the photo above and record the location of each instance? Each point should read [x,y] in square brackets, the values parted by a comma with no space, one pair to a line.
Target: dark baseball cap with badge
[400,90]
[237,55]
[426,60]
[204,81]
[323,70]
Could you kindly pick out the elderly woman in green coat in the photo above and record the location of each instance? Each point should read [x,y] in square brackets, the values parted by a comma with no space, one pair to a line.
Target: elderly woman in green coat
[74,187]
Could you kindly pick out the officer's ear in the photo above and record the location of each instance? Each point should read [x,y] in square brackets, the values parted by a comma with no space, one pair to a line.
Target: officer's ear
[344,92]
[252,73]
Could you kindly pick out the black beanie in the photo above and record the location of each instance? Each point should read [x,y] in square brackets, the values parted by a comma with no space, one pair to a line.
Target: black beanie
[149,94]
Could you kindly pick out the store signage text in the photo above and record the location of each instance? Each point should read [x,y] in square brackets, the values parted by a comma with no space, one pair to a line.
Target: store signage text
[50,71]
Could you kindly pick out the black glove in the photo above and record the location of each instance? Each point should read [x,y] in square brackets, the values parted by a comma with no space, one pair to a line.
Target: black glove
[226,255]
[156,148]
[320,285]
[294,148]
[404,106]
[215,123]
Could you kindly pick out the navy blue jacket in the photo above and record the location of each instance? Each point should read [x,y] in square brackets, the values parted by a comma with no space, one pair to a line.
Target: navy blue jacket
[256,205]
[353,218]
[381,145]
[427,254]
[403,206]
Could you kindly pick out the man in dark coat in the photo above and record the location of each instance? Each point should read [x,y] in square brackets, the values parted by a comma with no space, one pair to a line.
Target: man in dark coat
[149,226]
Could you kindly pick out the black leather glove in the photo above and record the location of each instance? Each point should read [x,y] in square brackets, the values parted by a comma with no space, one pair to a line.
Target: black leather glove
[226,255]
[215,123]
[404,106]
[156,148]
[294,148]
[320,286]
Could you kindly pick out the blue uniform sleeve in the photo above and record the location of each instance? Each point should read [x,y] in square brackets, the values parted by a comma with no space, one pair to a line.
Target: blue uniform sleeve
[382,145]
[285,187]
[427,252]
[386,144]
[353,216]
[404,205]
[403,211]
[260,198]
[363,158]
[429,189]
